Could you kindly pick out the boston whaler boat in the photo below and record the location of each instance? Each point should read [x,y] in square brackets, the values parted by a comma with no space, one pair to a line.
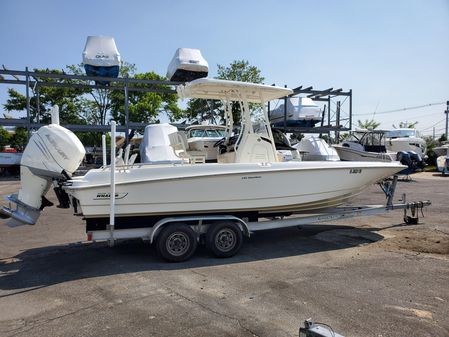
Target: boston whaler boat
[248,182]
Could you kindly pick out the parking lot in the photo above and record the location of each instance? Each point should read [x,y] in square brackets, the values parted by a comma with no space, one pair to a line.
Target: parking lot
[370,276]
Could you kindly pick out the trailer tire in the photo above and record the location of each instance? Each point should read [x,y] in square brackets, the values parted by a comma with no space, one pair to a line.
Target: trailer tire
[224,239]
[176,242]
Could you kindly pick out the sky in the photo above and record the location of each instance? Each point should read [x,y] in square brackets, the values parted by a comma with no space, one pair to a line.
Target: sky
[392,54]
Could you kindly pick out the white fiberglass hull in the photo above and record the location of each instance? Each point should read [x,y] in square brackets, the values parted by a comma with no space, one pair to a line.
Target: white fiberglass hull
[407,144]
[442,150]
[348,154]
[224,188]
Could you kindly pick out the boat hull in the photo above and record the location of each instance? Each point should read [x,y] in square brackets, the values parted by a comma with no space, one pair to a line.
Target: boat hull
[10,159]
[348,154]
[225,188]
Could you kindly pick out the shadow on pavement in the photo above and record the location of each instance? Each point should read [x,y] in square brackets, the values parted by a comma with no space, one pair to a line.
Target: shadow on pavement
[42,267]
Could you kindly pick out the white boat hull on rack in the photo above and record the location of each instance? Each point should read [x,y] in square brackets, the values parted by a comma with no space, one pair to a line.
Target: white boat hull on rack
[225,188]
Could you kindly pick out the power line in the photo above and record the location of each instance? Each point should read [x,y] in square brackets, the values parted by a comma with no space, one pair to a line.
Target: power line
[403,109]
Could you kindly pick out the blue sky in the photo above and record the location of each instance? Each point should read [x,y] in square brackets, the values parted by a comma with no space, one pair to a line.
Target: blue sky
[393,54]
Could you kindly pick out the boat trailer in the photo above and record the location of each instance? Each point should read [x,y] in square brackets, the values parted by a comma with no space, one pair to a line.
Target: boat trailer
[200,224]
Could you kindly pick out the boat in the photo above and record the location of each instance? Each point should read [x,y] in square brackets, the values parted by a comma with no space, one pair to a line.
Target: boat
[204,137]
[442,160]
[155,147]
[247,179]
[9,159]
[313,148]
[101,57]
[407,140]
[187,65]
[365,145]
[442,150]
[301,112]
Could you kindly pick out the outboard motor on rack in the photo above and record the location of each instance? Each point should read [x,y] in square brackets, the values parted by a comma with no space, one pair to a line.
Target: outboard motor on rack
[52,154]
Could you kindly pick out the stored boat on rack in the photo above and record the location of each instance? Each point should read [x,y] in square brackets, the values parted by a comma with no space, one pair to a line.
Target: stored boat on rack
[101,57]
[301,111]
[187,64]
[248,179]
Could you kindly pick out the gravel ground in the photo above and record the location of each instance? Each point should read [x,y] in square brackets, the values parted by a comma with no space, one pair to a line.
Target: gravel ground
[370,276]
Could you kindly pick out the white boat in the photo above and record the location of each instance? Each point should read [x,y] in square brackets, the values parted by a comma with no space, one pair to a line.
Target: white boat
[101,57]
[442,150]
[9,158]
[301,111]
[407,140]
[442,160]
[187,64]
[313,148]
[204,137]
[155,146]
[365,145]
[248,180]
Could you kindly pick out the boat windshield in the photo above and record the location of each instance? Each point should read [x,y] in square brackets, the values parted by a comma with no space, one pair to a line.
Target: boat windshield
[402,133]
[368,138]
[206,133]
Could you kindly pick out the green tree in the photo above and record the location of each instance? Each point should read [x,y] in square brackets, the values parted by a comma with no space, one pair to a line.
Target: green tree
[96,103]
[68,100]
[368,124]
[144,107]
[4,137]
[238,70]
[200,110]
[20,138]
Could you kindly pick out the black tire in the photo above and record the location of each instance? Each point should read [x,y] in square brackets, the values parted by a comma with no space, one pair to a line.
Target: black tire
[176,242]
[224,239]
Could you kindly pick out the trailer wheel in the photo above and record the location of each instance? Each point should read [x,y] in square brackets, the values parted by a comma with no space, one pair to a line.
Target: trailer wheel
[224,239]
[176,242]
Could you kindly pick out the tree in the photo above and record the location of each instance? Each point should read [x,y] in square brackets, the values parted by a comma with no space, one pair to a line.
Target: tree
[19,139]
[4,137]
[368,124]
[200,110]
[97,109]
[406,125]
[238,70]
[68,100]
[430,145]
[144,107]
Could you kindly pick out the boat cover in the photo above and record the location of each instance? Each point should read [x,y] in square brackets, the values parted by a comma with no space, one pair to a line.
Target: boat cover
[315,148]
[187,65]
[301,111]
[101,51]
[155,147]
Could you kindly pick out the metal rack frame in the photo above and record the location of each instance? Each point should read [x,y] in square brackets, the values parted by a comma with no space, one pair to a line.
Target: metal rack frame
[327,95]
[35,80]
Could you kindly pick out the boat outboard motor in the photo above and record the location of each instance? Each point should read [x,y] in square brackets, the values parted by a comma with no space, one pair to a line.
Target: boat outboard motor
[412,160]
[101,57]
[53,153]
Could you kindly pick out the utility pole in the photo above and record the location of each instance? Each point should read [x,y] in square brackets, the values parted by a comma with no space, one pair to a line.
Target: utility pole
[447,115]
